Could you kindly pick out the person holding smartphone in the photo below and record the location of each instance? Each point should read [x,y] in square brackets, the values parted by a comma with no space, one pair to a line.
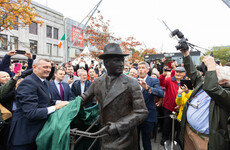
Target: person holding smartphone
[69,76]
[7,100]
[171,85]
[181,98]
[6,61]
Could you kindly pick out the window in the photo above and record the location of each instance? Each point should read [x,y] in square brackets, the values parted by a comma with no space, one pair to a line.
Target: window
[3,42]
[49,31]
[33,28]
[13,43]
[60,53]
[55,36]
[33,46]
[55,50]
[48,48]
[15,26]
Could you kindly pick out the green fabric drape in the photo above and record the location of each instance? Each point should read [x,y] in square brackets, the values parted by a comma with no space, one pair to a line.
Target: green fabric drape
[55,135]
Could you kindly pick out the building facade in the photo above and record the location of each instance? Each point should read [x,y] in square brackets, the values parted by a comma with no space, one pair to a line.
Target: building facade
[41,41]
[72,45]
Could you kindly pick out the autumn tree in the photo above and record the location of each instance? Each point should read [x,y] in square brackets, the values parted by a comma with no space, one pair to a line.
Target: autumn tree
[98,35]
[17,12]
[222,53]
[148,51]
[136,57]
[128,44]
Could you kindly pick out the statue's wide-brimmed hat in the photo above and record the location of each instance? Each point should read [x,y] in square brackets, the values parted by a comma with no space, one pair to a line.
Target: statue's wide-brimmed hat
[112,49]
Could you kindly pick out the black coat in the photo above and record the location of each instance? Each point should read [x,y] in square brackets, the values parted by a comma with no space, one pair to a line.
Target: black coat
[32,100]
[8,99]
[76,90]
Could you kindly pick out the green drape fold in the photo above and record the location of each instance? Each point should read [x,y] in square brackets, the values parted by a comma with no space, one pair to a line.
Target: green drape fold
[55,134]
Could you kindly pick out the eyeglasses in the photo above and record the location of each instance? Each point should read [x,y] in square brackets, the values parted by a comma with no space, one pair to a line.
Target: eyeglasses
[198,102]
[193,105]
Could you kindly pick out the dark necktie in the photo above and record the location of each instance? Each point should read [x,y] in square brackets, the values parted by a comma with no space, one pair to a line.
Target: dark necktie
[47,87]
[61,91]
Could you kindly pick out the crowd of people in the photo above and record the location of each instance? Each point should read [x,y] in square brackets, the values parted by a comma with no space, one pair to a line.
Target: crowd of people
[132,97]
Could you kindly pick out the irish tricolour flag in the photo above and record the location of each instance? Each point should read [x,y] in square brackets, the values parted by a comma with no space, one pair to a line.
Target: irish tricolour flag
[61,41]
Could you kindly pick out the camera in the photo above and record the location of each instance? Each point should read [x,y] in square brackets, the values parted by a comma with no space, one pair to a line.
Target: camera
[182,43]
[202,68]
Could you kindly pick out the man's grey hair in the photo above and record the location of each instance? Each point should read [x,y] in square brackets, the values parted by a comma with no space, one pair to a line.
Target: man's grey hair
[156,72]
[223,73]
[81,71]
[37,61]
[1,72]
[135,70]
[145,63]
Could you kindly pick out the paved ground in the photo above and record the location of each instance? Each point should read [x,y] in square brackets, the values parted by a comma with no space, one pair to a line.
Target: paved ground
[157,146]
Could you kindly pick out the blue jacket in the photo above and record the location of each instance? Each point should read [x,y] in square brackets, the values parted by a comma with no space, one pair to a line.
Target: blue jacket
[149,97]
[67,91]
[32,100]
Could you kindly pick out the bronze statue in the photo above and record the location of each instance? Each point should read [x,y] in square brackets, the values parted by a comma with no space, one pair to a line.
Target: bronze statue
[120,100]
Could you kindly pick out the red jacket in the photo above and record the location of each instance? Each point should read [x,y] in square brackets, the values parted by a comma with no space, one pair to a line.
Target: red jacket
[171,88]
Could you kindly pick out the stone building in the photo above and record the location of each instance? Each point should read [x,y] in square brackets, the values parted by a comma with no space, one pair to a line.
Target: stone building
[41,41]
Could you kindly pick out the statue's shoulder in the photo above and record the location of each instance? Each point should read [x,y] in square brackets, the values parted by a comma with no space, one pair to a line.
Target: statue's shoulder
[129,79]
[99,79]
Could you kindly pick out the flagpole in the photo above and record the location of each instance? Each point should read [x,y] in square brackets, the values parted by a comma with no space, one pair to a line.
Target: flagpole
[81,22]
[68,48]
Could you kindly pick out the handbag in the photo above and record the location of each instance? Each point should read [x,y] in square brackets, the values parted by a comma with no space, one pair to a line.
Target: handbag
[5,113]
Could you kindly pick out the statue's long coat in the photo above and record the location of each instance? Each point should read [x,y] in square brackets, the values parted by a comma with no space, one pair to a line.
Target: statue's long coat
[122,104]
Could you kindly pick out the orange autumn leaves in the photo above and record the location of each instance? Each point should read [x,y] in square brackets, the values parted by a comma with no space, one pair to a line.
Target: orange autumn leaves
[17,13]
[98,35]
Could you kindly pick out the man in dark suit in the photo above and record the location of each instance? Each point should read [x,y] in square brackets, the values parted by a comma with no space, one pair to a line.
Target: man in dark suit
[34,103]
[150,88]
[80,86]
[121,103]
[59,89]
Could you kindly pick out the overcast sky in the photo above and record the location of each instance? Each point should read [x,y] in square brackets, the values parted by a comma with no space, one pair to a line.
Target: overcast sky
[205,23]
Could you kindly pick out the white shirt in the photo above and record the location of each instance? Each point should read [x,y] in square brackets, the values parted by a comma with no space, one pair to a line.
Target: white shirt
[82,87]
[58,86]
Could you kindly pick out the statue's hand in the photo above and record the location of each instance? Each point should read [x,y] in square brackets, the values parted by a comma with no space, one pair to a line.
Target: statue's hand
[112,130]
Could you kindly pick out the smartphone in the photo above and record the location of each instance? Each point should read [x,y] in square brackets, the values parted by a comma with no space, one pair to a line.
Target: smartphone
[33,57]
[15,61]
[20,52]
[17,67]
[71,76]
[188,83]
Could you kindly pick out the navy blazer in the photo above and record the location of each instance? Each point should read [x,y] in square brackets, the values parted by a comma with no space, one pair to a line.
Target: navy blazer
[67,91]
[149,97]
[32,100]
[76,87]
